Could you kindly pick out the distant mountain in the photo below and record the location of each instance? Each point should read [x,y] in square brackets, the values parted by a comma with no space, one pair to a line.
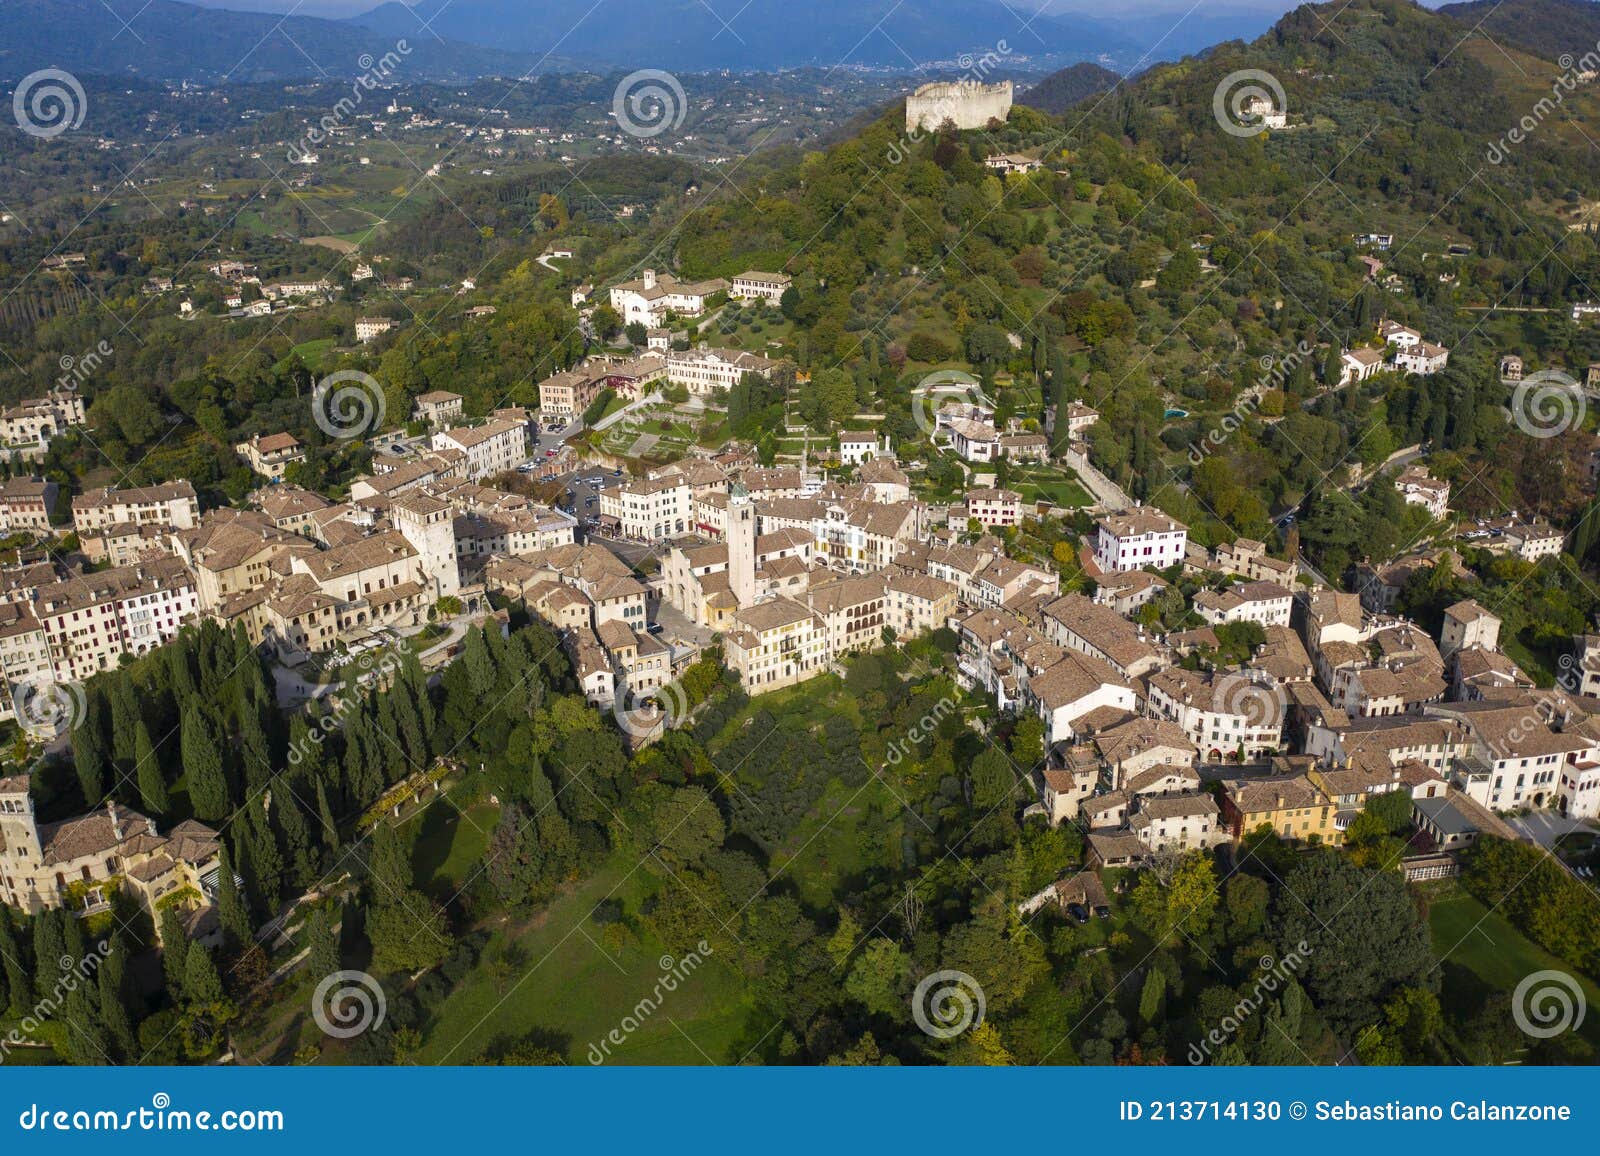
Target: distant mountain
[1546,28]
[691,35]
[166,40]
[1061,90]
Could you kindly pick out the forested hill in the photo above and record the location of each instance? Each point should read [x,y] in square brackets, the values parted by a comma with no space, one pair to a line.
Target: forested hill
[1548,28]
[1062,89]
[167,40]
[1170,271]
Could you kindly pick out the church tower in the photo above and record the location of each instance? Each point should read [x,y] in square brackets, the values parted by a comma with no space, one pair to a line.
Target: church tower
[741,545]
[429,525]
[20,853]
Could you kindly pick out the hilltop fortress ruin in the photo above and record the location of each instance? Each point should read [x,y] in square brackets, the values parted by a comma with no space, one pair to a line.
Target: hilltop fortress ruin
[966,103]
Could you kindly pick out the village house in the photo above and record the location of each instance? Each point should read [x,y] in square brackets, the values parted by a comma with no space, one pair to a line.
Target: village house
[1419,488]
[703,370]
[1264,603]
[491,448]
[270,454]
[994,507]
[25,505]
[27,428]
[77,863]
[1142,537]
[372,328]
[756,286]
[1357,365]
[437,407]
[654,297]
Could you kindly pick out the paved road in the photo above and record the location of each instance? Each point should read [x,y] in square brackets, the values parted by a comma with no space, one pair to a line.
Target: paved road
[585,494]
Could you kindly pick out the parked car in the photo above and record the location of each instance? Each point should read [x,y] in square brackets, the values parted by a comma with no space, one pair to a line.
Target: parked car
[1102,911]
[1079,912]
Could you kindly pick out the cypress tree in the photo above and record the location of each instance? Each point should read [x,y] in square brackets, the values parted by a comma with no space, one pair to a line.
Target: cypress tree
[114,1015]
[390,868]
[231,910]
[49,948]
[174,948]
[265,857]
[329,829]
[125,720]
[201,983]
[13,964]
[478,664]
[89,751]
[180,670]
[202,759]
[295,833]
[152,783]
[87,1044]
[253,753]
[322,940]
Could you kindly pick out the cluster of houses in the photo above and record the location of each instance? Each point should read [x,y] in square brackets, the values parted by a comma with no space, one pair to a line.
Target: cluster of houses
[701,371]
[969,430]
[654,298]
[1154,749]
[1403,350]
[302,574]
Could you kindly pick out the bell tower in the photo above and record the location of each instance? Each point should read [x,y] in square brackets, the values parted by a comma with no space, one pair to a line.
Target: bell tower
[741,545]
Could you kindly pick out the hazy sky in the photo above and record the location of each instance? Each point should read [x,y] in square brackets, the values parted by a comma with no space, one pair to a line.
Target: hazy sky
[1100,9]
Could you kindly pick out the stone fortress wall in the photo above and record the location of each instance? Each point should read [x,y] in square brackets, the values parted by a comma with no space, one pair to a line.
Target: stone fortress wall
[968,104]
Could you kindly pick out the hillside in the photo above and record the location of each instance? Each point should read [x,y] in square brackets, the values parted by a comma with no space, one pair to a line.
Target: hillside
[1547,28]
[1064,88]
[166,40]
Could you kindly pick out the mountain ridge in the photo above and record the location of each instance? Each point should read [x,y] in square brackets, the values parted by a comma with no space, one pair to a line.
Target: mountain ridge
[170,40]
[689,35]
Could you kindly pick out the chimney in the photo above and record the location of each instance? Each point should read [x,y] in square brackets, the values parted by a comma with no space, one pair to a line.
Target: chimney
[116,822]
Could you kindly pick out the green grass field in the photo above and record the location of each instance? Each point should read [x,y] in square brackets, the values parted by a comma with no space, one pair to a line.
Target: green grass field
[570,976]
[447,844]
[1469,935]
